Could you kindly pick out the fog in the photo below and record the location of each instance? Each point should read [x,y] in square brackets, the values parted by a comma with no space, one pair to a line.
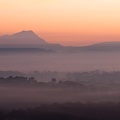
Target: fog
[31,97]
[85,87]
[60,61]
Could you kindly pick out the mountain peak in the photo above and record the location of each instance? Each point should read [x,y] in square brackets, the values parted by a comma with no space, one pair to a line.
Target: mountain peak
[23,37]
[24,32]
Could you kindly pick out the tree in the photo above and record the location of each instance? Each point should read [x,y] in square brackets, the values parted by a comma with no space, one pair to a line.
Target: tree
[53,80]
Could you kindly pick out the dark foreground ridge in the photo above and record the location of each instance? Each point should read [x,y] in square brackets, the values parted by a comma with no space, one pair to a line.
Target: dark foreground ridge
[66,111]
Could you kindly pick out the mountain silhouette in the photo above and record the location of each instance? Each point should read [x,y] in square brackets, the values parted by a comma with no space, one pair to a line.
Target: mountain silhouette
[29,40]
[23,37]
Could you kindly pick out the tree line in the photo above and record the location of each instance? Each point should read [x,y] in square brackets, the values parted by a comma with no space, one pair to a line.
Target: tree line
[24,81]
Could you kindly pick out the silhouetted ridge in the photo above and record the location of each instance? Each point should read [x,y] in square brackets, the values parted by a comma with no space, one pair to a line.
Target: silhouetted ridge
[28,39]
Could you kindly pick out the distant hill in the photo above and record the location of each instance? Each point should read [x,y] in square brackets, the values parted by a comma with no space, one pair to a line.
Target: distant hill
[23,37]
[104,46]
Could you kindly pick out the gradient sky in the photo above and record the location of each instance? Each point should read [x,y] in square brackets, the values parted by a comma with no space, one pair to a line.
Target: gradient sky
[68,22]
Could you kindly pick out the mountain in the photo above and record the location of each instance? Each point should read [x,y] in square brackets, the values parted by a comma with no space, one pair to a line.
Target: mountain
[23,37]
[26,41]
[29,41]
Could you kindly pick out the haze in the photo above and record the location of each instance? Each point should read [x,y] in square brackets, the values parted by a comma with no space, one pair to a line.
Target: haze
[60,62]
[68,22]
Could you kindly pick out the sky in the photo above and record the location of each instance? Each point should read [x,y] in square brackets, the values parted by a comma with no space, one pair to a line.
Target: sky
[67,22]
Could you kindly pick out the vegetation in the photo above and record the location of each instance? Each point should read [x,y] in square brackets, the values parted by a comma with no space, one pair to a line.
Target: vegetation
[24,81]
[91,79]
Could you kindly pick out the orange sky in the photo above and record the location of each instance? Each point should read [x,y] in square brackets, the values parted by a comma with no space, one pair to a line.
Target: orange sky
[68,22]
